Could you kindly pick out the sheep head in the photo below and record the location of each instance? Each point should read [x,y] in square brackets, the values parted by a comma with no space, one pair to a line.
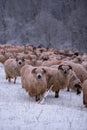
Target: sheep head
[20,61]
[38,72]
[65,69]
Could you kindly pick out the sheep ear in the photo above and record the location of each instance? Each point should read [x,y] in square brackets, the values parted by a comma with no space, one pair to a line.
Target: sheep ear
[44,70]
[3,53]
[23,59]
[70,67]
[33,71]
[60,67]
[16,58]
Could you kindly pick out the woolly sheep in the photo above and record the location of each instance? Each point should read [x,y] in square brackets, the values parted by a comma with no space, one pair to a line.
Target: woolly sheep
[79,70]
[74,83]
[34,81]
[24,71]
[84,88]
[58,77]
[51,62]
[12,68]
[84,64]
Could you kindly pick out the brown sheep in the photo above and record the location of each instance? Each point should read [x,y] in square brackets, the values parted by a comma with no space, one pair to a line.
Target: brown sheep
[2,59]
[84,88]
[78,69]
[23,72]
[51,62]
[34,81]
[58,77]
[4,56]
[77,59]
[12,68]
[74,83]
[84,64]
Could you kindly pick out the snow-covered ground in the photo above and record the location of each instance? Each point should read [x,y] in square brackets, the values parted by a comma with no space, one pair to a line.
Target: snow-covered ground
[18,111]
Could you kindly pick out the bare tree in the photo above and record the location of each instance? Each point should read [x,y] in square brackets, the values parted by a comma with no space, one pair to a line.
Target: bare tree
[2,10]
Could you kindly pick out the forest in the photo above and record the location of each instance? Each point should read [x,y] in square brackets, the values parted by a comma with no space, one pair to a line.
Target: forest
[47,23]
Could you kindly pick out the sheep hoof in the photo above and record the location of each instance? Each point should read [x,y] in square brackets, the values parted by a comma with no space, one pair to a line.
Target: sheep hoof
[37,98]
[67,89]
[15,80]
[78,91]
[84,102]
[56,95]
[85,105]
[9,80]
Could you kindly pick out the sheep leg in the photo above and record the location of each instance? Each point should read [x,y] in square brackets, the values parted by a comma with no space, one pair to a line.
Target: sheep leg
[15,80]
[85,105]
[83,99]
[6,77]
[78,87]
[78,91]
[37,97]
[68,89]
[9,80]
[56,94]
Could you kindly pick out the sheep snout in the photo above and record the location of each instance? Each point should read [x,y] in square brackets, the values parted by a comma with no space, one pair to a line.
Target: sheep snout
[19,62]
[39,76]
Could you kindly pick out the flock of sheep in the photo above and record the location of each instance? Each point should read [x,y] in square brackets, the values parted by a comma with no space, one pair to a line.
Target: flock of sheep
[43,69]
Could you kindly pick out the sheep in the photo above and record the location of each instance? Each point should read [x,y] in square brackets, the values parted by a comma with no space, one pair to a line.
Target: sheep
[58,77]
[77,59]
[23,72]
[74,83]
[51,62]
[45,54]
[3,57]
[23,69]
[84,57]
[30,62]
[38,63]
[12,68]
[34,81]
[78,69]
[84,64]
[84,88]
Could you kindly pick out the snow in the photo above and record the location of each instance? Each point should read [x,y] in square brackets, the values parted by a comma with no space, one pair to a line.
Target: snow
[19,111]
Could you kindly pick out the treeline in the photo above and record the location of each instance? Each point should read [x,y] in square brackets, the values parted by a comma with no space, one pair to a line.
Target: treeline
[48,23]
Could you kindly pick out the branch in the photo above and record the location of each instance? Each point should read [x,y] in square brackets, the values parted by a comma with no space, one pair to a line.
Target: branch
[45,95]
